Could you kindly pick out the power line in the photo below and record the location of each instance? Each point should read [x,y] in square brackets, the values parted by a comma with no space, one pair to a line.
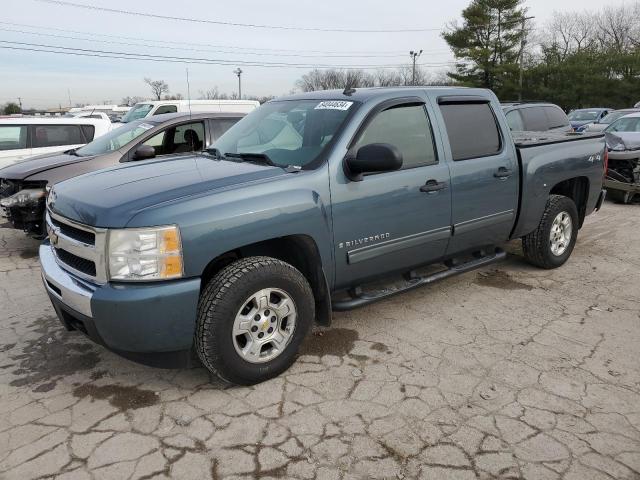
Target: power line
[173,42]
[162,58]
[63,3]
[68,37]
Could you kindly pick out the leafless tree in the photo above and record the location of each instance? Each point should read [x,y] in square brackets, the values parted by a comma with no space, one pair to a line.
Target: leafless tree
[211,94]
[131,101]
[158,87]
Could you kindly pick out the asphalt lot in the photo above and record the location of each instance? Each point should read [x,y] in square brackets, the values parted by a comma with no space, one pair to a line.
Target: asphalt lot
[506,372]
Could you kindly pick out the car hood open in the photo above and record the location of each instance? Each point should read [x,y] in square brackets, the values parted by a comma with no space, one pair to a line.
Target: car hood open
[112,196]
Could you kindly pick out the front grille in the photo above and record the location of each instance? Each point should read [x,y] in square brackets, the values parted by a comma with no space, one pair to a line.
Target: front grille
[77,234]
[77,263]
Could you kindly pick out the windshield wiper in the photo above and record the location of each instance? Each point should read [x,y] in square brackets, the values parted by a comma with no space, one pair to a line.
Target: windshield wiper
[217,154]
[73,152]
[253,157]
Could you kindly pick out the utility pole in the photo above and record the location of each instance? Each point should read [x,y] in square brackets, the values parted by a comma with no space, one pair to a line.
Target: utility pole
[69,93]
[20,102]
[523,42]
[238,72]
[414,56]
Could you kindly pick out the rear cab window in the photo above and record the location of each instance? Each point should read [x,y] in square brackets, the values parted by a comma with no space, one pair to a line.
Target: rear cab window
[13,137]
[472,130]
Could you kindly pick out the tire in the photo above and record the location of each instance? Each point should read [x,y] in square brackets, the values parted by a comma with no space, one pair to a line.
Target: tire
[234,297]
[537,245]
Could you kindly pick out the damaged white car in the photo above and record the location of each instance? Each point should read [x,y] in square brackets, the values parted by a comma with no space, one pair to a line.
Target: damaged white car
[623,174]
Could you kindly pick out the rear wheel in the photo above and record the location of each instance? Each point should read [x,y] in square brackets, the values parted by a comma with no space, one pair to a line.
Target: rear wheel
[252,318]
[550,245]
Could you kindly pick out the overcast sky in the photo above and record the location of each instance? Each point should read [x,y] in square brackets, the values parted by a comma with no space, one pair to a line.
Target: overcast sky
[47,79]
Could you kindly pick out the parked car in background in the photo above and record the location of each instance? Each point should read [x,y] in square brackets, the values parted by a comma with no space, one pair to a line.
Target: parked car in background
[609,119]
[536,117]
[303,207]
[24,137]
[23,185]
[582,117]
[87,114]
[623,142]
[148,109]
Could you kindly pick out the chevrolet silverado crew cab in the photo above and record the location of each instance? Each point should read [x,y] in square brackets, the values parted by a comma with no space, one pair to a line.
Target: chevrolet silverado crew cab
[301,208]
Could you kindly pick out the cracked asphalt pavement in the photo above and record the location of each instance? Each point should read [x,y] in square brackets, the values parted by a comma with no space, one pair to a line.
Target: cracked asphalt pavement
[505,372]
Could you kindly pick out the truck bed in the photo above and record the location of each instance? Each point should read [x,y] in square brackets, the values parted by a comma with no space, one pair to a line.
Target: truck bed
[546,159]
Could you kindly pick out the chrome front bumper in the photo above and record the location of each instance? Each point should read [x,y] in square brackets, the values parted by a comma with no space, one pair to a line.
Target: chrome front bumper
[71,291]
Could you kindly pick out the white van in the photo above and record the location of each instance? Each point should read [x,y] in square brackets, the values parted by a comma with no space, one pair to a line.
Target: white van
[147,109]
[24,137]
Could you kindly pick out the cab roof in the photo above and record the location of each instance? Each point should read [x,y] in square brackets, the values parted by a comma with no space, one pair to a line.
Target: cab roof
[365,94]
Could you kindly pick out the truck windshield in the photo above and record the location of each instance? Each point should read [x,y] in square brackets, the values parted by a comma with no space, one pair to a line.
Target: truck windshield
[114,139]
[288,132]
[138,111]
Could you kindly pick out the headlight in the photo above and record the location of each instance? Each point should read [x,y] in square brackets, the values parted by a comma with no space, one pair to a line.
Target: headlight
[620,147]
[145,254]
[23,198]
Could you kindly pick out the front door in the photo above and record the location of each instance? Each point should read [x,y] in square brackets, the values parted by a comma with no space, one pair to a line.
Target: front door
[392,221]
[484,175]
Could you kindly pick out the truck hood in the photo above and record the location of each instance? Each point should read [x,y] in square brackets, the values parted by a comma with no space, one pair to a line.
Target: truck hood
[111,197]
[621,141]
[33,165]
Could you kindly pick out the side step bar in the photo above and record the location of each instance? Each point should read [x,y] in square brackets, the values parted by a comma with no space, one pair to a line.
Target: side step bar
[358,298]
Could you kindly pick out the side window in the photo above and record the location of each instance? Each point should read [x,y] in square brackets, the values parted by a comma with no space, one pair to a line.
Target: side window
[89,131]
[56,135]
[13,137]
[514,119]
[408,129]
[221,125]
[534,119]
[157,142]
[185,138]
[472,130]
[557,118]
[166,109]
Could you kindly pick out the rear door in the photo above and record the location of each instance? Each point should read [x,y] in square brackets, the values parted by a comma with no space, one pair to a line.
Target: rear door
[484,173]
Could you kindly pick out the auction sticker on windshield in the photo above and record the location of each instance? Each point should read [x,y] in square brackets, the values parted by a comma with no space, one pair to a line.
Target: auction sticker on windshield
[334,105]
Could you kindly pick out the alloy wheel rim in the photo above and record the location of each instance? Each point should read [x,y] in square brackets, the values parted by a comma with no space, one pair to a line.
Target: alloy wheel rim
[560,235]
[264,325]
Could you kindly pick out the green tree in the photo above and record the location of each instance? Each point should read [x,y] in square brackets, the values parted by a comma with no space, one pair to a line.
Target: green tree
[11,108]
[488,45]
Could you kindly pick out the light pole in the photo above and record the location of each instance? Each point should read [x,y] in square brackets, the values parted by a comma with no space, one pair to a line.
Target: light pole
[414,56]
[238,72]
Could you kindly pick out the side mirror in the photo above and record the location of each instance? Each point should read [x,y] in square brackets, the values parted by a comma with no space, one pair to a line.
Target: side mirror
[144,152]
[375,157]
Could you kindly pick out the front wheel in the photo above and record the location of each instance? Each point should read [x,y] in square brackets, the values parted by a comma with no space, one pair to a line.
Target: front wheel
[550,245]
[252,318]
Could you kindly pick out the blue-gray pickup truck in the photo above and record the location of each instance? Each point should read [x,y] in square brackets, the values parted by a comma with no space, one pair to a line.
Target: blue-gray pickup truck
[302,208]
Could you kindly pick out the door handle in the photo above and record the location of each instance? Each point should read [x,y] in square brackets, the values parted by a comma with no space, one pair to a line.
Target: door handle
[433,186]
[503,173]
